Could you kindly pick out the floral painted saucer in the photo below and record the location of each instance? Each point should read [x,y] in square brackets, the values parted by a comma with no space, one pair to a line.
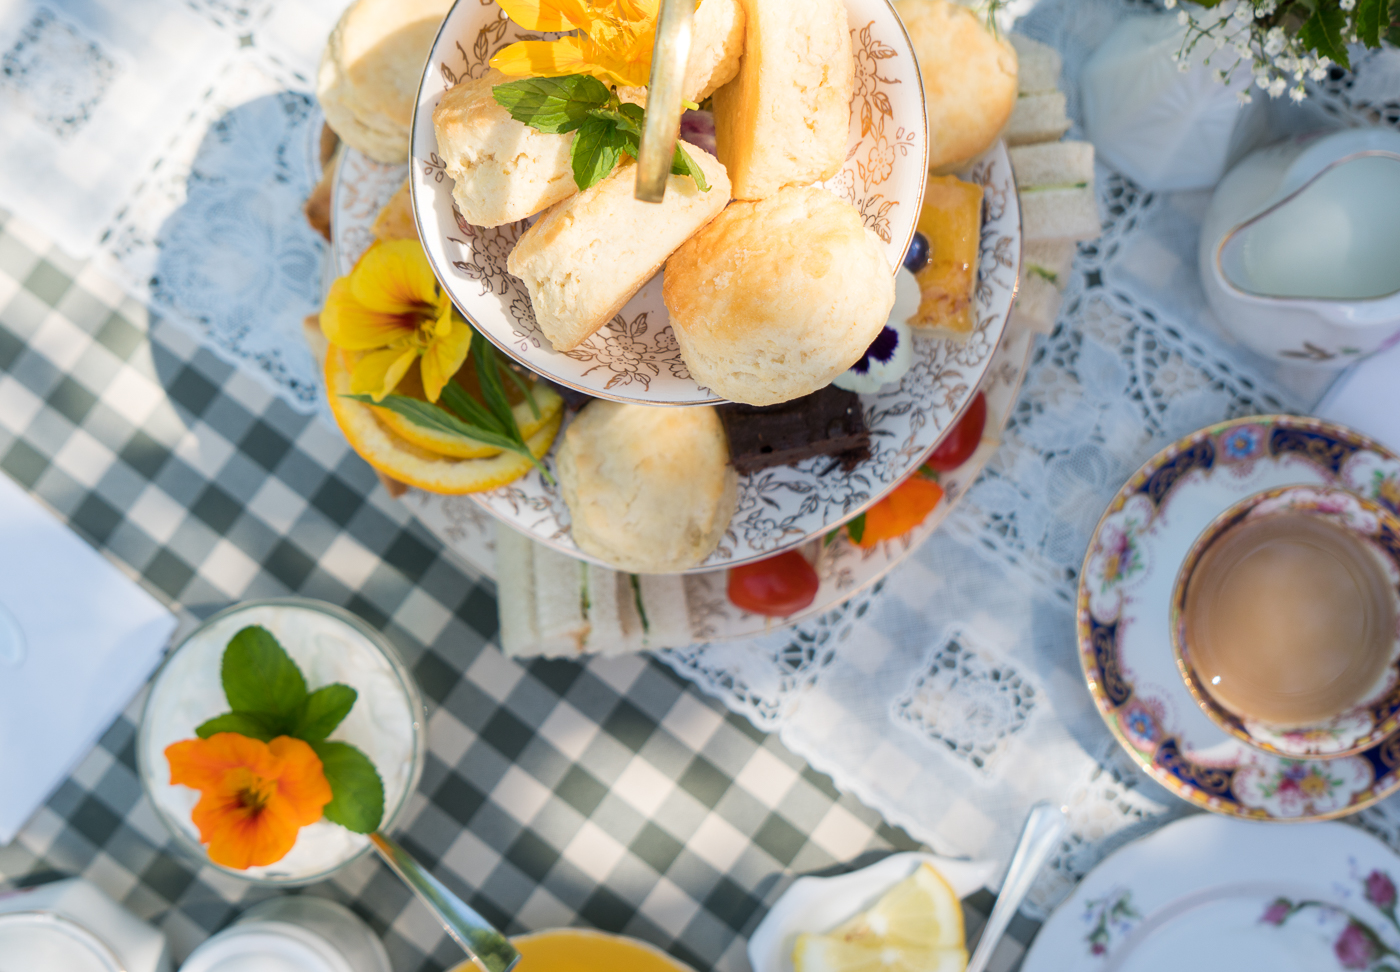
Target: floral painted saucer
[1124,604]
[1377,714]
[1234,894]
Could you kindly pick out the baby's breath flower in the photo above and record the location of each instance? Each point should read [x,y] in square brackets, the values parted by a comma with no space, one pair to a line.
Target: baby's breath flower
[1348,4]
[1244,97]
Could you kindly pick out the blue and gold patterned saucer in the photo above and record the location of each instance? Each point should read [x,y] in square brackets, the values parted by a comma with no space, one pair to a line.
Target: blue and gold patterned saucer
[1125,594]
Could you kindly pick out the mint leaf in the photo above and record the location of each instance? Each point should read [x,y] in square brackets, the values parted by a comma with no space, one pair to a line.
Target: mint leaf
[553,105]
[1322,34]
[254,725]
[1371,17]
[683,164]
[357,792]
[324,710]
[260,677]
[856,528]
[595,152]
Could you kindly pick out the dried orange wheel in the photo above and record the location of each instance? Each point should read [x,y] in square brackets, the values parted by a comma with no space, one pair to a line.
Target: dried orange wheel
[546,398]
[400,459]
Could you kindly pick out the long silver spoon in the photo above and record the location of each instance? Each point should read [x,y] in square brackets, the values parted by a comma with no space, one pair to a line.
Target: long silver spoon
[486,946]
[1039,838]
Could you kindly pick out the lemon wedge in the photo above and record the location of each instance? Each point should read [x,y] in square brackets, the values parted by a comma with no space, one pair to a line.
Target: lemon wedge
[832,953]
[922,911]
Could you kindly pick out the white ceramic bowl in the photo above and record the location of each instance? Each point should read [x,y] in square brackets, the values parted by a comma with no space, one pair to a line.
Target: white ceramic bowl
[635,358]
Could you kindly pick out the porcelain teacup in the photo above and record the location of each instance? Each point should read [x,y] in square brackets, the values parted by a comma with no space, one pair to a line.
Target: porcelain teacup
[1264,603]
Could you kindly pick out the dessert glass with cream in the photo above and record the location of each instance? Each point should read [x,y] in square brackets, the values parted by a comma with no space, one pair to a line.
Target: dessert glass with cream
[329,645]
[1284,621]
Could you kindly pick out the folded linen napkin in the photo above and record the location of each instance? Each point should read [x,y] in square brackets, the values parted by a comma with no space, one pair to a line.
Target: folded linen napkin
[77,640]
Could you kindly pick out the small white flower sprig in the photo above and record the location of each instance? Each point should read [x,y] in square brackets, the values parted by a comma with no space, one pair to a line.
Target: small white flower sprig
[1286,42]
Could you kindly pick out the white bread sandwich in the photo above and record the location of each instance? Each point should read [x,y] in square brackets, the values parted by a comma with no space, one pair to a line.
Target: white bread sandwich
[1040,65]
[1057,191]
[586,257]
[1037,118]
[785,118]
[620,612]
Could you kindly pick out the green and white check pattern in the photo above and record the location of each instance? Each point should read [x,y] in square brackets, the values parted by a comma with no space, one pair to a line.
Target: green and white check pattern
[611,794]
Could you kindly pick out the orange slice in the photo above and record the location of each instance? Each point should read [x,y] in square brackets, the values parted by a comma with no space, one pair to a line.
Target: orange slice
[400,459]
[546,398]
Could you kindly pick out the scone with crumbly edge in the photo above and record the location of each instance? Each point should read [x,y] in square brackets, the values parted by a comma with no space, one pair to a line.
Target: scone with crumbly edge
[785,119]
[969,79]
[586,257]
[649,490]
[368,80]
[502,170]
[773,299]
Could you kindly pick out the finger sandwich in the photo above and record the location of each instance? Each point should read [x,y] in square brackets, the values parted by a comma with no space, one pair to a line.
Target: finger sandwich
[586,257]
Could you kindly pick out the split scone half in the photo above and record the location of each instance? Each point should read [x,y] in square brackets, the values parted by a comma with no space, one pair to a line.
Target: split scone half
[586,257]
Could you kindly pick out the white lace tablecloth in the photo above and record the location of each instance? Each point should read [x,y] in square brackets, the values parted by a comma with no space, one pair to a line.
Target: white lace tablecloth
[176,141]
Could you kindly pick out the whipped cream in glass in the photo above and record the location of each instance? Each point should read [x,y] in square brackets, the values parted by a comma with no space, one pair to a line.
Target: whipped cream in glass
[328,645]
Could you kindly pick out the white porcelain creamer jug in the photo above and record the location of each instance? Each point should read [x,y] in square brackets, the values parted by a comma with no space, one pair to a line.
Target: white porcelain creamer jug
[1300,248]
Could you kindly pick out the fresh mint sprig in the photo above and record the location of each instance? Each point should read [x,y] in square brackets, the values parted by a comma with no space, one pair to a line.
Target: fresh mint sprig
[607,126]
[269,698]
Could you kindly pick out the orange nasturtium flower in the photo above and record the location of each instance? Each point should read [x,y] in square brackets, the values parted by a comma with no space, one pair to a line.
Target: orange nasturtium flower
[907,505]
[254,796]
[613,43]
[391,307]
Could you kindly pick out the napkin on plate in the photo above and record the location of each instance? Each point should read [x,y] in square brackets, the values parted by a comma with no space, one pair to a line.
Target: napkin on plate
[1367,398]
[77,639]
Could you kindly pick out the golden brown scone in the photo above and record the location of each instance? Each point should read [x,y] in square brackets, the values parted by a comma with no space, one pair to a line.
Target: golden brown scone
[503,170]
[775,298]
[373,61]
[649,490]
[395,220]
[969,79]
[785,119]
[587,256]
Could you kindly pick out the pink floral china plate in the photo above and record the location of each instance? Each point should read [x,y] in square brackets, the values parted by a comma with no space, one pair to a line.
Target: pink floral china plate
[1124,606]
[635,358]
[1231,894]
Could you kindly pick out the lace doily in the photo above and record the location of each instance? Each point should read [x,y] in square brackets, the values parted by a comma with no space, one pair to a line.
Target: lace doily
[176,142]
[957,701]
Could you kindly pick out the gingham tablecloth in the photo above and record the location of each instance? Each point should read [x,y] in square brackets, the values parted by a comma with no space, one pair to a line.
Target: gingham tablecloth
[610,794]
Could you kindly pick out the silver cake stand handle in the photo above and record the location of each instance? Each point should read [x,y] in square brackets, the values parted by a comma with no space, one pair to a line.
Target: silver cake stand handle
[1039,839]
[665,94]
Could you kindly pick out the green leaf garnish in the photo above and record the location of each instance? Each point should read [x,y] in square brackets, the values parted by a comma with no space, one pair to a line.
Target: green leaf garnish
[1322,33]
[552,105]
[1372,17]
[357,792]
[595,152]
[856,529]
[683,164]
[606,126]
[324,710]
[260,677]
[255,725]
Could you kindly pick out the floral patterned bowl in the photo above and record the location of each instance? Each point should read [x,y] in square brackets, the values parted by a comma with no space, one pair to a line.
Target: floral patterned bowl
[635,358]
[1369,720]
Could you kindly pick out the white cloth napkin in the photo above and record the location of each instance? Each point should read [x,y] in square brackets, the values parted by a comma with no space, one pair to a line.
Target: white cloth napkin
[1367,398]
[77,639]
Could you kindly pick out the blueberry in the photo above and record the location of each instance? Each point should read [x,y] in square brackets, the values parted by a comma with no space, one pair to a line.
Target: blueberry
[917,256]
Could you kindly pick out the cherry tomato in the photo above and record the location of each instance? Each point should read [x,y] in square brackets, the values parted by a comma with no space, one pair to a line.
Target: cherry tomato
[962,441]
[777,587]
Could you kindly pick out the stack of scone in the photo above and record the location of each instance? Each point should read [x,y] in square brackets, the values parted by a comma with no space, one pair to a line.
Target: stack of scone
[781,75]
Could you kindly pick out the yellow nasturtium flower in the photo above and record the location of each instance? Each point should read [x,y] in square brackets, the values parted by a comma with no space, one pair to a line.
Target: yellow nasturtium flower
[613,44]
[392,307]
